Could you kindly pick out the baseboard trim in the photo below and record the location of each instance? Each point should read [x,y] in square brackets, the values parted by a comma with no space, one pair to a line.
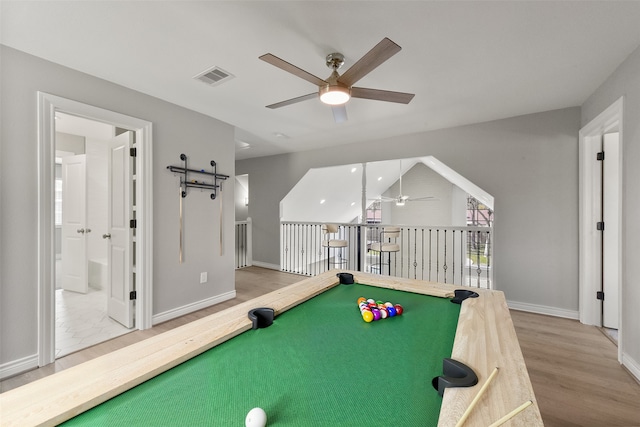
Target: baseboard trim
[19,366]
[543,309]
[190,308]
[631,365]
[266,265]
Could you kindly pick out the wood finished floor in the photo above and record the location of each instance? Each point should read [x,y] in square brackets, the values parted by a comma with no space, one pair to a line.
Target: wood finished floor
[573,368]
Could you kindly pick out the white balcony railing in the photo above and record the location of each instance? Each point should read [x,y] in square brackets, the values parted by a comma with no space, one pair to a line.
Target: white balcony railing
[243,253]
[456,255]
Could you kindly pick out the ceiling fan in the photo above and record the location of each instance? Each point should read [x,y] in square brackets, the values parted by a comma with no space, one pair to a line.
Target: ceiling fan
[337,89]
[400,199]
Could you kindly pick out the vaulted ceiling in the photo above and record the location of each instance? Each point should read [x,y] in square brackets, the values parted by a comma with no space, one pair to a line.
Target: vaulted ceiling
[466,61]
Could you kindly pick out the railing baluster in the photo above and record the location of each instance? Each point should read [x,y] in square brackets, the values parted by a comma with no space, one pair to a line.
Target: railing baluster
[444,264]
[453,256]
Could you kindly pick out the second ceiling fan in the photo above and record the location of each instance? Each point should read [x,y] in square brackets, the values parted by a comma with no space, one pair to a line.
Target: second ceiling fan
[400,199]
[337,89]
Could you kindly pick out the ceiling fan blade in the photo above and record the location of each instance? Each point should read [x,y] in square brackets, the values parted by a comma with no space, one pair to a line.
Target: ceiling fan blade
[381,95]
[339,113]
[422,199]
[293,100]
[372,59]
[290,68]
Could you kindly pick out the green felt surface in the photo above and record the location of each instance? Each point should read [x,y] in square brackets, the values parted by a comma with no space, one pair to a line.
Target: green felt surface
[319,364]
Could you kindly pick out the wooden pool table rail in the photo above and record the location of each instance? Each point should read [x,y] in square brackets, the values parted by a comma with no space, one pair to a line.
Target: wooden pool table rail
[65,394]
[485,339]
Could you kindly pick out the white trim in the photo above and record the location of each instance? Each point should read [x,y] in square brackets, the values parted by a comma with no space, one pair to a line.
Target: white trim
[455,178]
[249,241]
[19,366]
[543,309]
[190,308]
[589,258]
[266,265]
[633,366]
[47,106]
[46,230]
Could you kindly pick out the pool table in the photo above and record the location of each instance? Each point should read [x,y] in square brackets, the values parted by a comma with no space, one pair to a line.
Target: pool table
[318,364]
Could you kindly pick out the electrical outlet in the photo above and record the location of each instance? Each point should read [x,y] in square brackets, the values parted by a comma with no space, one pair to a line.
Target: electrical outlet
[203,277]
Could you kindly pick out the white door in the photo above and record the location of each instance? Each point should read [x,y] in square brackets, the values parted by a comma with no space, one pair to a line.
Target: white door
[74,264]
[610,203]
[119,280]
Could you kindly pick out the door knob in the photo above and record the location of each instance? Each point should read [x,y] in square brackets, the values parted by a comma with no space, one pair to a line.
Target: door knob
[80,230]
[106,236]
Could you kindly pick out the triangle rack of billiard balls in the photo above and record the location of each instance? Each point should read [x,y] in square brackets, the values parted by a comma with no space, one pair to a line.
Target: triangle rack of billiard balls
[372,310]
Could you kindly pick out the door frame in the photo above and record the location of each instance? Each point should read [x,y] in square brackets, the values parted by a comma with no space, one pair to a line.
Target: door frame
[589,213]
[48,105]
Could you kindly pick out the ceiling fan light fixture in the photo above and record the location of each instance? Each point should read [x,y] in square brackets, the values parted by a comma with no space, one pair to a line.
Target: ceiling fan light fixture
[334,95]
[400,202]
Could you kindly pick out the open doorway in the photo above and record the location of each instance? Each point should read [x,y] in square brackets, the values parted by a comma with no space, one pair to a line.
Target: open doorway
[119,219]
[83,198]
[601,222]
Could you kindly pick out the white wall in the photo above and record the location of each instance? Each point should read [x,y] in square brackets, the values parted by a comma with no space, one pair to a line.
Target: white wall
[625,81]
[421,181]
[240,197]
[528,163]
[175,130]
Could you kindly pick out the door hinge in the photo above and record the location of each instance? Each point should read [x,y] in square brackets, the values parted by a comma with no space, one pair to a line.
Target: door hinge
[133,223]
[133,295]
[600,226]
[600,156]
[133,152]
[600,295]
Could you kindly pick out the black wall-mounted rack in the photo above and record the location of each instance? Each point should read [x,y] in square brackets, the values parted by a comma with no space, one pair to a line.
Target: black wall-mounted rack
[185,182]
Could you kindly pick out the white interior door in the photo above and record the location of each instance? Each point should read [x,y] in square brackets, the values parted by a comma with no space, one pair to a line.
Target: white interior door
[119,280]
[610,203]
[74,263]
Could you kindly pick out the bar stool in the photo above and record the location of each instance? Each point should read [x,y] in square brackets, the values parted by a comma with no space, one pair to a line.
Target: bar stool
[386,245]
[328,242]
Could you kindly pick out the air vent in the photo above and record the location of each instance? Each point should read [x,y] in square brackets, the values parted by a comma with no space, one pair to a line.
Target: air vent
[214,76]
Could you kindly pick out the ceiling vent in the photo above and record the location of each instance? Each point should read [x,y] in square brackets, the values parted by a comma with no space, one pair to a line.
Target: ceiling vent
[214,76]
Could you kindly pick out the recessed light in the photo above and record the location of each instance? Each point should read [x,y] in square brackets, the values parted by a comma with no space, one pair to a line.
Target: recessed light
[322,201]
[353,203]
[379,178]
[280,135]
[353,170]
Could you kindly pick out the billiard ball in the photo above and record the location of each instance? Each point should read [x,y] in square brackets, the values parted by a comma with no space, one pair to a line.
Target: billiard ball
[256,418]
[399,309]
[392,311]
[383,313]
[367,316]
[361,299]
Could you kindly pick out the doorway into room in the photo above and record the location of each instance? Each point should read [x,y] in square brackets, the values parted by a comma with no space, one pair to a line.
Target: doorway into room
[128,228]
[84,203]
[600,222]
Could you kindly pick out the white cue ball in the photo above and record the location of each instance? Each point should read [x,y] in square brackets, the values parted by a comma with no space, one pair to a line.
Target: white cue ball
[256,418]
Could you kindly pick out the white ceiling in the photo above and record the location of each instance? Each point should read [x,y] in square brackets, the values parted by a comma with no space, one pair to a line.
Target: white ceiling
[335,193]
[466,62]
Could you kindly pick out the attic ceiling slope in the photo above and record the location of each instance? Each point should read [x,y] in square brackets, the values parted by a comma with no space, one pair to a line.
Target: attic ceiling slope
[466,61]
